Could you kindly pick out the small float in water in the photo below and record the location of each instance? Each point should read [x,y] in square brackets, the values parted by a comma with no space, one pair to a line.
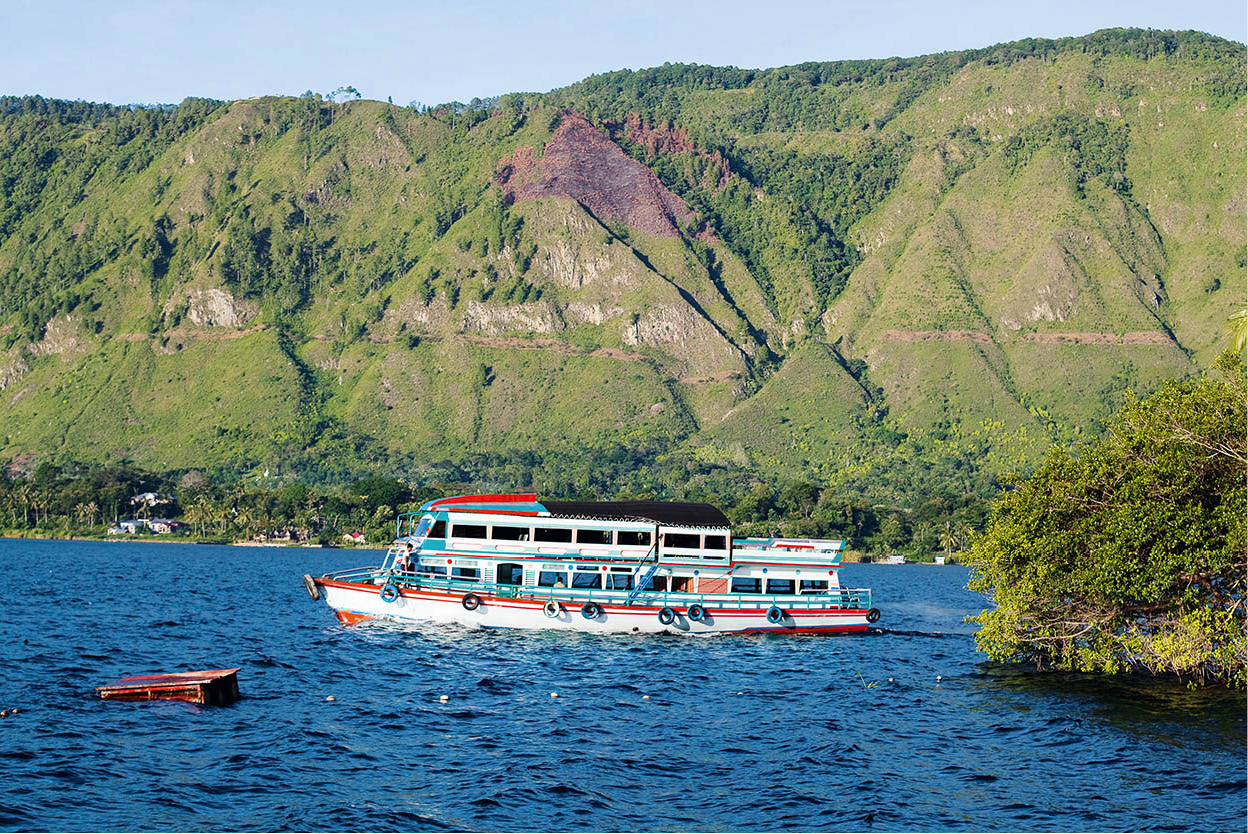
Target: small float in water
[510,561]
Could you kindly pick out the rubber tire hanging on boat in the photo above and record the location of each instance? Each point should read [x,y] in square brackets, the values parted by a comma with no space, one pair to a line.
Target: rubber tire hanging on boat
[696,613]
[591,610]
[310,584]
[389,592]
[873,615]
[667,616]
[470,602]
[774,615]
[552,609]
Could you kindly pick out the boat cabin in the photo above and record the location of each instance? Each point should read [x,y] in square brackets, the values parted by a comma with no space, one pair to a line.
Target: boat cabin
[515,541]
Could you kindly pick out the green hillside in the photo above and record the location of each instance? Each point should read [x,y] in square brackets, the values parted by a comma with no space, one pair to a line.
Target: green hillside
[888,276]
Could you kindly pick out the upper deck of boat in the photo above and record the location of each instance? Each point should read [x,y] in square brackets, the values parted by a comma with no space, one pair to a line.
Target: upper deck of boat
[670,532]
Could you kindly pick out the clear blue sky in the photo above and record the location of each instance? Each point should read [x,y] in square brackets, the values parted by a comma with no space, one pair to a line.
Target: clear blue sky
[148,51]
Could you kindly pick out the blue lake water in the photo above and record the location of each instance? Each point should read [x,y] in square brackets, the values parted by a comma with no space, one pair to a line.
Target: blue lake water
[739,732]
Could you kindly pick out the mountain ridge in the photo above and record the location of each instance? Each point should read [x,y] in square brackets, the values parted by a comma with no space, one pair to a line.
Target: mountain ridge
[966,239]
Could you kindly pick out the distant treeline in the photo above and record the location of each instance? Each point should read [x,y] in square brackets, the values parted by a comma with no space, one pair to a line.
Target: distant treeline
[87,500]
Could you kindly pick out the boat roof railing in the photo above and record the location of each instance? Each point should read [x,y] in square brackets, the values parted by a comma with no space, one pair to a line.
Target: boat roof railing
[683,513]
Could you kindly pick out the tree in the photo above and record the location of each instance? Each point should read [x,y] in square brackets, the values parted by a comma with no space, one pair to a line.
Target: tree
[1237,330]
[1130,556]
[949,539]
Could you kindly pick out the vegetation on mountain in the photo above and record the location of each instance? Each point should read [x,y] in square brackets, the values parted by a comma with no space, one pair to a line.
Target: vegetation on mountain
[892,279]
[86,501]
[1130,554]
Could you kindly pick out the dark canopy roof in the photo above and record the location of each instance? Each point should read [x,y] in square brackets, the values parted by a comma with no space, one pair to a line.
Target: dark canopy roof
[663,512]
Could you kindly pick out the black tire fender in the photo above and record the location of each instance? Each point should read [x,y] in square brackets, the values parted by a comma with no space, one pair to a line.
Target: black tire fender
[471,602]
[314,589]
[667,616]
[873,615]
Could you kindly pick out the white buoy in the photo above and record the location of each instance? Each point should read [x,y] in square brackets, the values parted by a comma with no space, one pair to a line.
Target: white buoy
[444,698]
[4,713]
[554,694]
[13,711]
[740,693]
[330,698]
[645,697]
[938,679]
[890,680]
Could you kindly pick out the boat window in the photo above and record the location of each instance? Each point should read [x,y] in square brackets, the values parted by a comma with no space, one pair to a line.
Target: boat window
[747,585]
[593,537]
[586,580]
[509,574]
[422,529]
[511,534]
[779,586]
[466,574]
[433,570]
[633,537]
[468,531]
[619,581]
[552,534]
[551,579]
[686,540]
[680,584]
[657,583]
[715,543]
[438,530]
[814,586]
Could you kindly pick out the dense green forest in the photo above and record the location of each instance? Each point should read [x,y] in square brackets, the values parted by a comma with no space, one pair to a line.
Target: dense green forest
[893,281]
[86,501]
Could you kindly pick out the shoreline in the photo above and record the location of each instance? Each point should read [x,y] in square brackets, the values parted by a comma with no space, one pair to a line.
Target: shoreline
[12,536]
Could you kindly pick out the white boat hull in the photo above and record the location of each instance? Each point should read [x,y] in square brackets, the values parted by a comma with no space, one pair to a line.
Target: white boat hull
[354,602]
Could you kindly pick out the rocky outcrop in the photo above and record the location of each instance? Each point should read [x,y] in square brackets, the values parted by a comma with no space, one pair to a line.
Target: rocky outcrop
[11,371]
[492,320]
[581,164]
[60,338]
[217,308]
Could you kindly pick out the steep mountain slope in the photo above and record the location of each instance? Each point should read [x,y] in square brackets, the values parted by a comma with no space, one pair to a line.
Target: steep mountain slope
[935,265]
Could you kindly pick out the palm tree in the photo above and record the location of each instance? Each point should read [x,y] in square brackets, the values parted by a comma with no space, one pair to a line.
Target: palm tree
[93,509]
[26,496]
[1237,329]
[949,539]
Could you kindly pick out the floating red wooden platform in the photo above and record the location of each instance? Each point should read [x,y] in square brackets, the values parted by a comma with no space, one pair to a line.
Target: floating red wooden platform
[215,687]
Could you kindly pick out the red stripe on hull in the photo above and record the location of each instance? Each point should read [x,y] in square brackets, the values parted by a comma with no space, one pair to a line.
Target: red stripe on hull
[350,617]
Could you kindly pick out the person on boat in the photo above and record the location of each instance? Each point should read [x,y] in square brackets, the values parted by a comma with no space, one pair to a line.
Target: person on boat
[401,562]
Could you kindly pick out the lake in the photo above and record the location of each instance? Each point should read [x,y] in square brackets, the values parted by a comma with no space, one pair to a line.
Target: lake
[905,728]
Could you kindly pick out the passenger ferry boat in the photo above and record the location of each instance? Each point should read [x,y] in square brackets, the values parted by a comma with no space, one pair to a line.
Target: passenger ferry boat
[510,561]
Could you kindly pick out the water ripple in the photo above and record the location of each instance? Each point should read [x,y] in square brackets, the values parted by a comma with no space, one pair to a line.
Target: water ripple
[741,733]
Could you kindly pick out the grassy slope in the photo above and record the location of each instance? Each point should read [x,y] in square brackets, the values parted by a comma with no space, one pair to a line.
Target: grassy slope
[404,342]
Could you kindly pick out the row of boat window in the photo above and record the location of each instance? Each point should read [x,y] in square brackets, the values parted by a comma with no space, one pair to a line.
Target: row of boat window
[621,579]
[582,535]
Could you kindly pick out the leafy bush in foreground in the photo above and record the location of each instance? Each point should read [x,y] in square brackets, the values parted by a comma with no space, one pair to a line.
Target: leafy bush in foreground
[1131,556]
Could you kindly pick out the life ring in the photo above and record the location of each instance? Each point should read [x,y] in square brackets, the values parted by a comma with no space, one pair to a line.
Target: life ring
[389,592]
[775,615]
[310,584]
[667,616]
[591,610]
[551,609]
[873,615]
[470,602]
[696,613]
